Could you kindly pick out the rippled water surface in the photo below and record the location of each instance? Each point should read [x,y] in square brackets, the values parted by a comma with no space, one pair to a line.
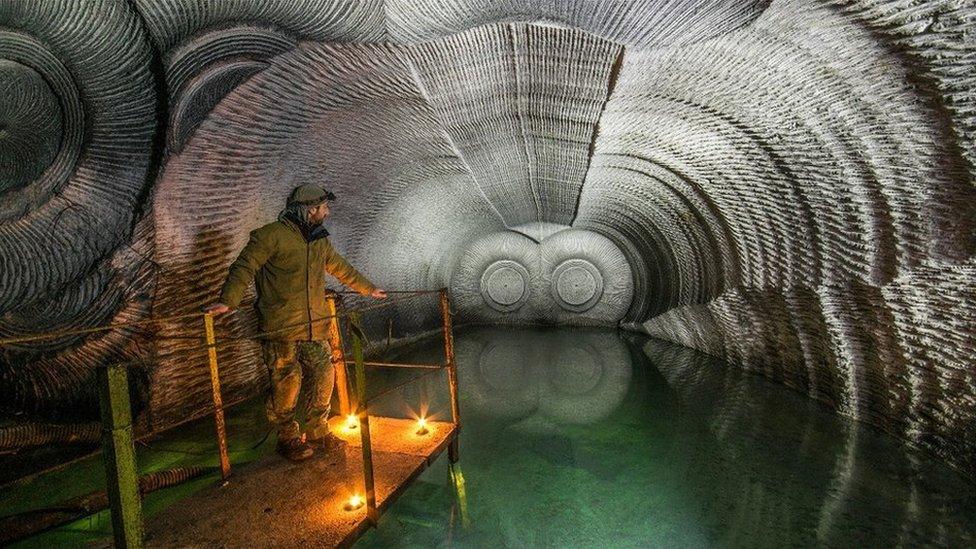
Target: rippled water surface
[590,438]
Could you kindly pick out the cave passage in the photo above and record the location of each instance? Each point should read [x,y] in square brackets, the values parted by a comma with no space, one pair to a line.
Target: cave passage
[786,186]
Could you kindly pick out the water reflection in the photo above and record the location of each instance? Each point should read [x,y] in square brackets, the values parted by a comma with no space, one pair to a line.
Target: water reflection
[509,377]
[587,438]
[794,473]
[553,376]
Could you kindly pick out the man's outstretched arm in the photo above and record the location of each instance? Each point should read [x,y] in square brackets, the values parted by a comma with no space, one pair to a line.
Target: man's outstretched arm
[337,266]
[254,255]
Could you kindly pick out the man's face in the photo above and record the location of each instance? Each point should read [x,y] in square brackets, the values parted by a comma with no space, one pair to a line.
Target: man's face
[318,214]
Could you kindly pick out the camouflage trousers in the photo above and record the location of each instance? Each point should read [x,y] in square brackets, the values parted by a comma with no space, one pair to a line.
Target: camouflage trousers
[286,361]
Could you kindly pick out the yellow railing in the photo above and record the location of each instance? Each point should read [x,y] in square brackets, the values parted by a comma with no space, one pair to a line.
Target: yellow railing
[362,413]
[121,487]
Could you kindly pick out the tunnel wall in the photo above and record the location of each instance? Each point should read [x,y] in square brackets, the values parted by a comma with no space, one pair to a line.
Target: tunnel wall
[787,185]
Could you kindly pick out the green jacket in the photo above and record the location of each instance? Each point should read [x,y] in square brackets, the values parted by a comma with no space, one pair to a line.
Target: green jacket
[289,275]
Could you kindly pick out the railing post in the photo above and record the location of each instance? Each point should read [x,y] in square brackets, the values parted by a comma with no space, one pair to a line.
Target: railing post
[120,457]
[369,485]
[457,480]
[452,450]
[337,357]
[218,401]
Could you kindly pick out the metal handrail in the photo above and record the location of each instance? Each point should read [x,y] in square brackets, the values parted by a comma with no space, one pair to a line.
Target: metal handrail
[362,413]
[120,463]
[409,294]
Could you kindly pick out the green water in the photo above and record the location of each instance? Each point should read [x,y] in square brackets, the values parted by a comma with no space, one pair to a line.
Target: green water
[589,438]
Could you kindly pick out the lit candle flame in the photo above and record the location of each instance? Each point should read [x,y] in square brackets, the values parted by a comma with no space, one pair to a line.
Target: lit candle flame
[352,423]
[422,426]
[355,502]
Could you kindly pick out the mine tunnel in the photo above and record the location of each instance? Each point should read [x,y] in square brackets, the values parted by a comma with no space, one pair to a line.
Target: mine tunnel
[703,271]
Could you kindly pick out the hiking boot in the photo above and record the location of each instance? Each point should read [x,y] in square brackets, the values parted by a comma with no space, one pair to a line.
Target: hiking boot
[295,449]
[329,443]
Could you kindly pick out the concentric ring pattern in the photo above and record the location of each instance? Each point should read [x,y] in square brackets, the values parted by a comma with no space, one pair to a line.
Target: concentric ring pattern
[787,185]
[77,119]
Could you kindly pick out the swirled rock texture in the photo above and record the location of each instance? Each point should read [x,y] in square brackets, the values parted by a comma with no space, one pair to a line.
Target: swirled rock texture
[786,185]
[77,121]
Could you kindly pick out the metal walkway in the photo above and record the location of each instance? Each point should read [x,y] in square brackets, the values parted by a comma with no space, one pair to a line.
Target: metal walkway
[276,503]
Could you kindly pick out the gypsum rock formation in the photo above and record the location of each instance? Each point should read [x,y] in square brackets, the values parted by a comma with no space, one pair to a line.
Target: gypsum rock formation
[77,120]
[209,48]
[568,276]
[790,184]
[825,327]
[635,23]
[399,154]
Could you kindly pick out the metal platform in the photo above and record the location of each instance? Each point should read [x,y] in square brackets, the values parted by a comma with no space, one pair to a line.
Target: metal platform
[276,503]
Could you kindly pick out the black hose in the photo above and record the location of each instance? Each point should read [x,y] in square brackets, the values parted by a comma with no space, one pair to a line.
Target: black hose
[32,435]
[24,525]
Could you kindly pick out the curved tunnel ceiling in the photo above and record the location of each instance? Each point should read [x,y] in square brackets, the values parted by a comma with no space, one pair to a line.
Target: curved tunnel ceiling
[788,185]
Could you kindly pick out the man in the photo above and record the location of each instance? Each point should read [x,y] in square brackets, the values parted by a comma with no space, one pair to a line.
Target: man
[288,260]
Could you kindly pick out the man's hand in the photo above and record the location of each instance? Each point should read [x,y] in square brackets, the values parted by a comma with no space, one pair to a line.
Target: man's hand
[378,293]
[217,309]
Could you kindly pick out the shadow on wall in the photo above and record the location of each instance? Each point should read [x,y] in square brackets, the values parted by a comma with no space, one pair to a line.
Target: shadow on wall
[180,379]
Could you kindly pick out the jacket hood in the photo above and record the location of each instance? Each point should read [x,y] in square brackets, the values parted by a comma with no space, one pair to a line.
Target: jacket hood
[309,232]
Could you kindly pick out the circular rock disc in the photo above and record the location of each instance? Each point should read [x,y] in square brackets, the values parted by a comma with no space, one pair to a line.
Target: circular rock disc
[577,285]
[30,125]
[504,285]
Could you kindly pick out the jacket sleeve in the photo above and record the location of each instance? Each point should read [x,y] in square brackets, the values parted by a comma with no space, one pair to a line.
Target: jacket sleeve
[254,255]
[337,266]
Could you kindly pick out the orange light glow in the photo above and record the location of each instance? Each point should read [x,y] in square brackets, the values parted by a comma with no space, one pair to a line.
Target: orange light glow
[352,423]
[422,426]
[355,502]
